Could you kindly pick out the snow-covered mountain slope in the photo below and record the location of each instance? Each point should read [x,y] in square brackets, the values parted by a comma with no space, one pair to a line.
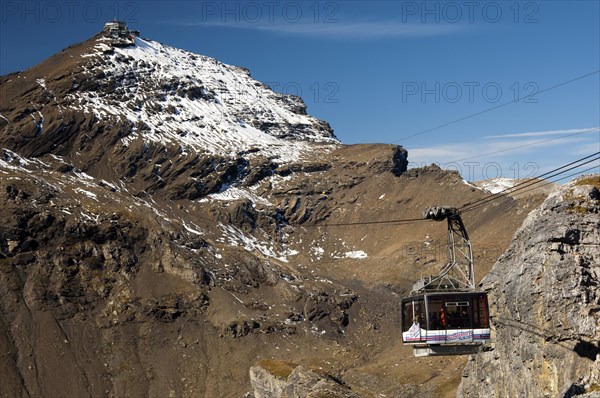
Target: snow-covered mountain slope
[497,185]
[520,187]
[173,96]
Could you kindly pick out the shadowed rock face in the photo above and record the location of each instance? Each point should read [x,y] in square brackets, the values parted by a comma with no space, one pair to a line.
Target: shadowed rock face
[278,379]
[142,258]
[545,303]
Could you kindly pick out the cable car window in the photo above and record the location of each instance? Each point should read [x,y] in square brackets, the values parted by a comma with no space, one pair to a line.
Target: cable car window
[458,315]
[406,315]
[481,319]
[413,312]
[437,317]
[420,316]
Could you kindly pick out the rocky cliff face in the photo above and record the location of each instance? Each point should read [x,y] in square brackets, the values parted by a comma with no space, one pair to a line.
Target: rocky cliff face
[544,297]
[276,379]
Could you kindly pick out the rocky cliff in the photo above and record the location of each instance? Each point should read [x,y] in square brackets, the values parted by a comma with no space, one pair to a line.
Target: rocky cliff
[276,379]
[544,294]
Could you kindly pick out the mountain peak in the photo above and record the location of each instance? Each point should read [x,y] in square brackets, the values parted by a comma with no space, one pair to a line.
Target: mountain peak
[156,93]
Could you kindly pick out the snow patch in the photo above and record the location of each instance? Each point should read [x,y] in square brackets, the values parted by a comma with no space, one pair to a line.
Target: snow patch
[230,193]
[83,176]
[110,185]
[192,230]
[237,237]
[89,194]
[317,252]
[357,254]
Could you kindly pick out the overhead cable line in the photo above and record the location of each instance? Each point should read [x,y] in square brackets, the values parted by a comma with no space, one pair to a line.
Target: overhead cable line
[534,181]
[397,221]
[546,174]
[548,183]
[496,107]
[472,205]
[520,187]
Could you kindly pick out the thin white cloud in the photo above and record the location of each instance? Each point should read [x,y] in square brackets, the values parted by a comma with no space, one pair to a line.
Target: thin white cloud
[585,148]
[340,30]
[508,147]
[365,29]
[512,158]
[545,133]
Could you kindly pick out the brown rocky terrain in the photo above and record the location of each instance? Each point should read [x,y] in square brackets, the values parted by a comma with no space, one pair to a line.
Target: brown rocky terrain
[132,264]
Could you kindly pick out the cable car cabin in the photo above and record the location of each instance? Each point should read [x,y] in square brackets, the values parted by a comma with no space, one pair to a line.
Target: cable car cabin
[445,323]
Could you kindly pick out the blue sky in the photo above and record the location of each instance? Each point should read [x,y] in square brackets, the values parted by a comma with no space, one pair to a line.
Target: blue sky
[404,72]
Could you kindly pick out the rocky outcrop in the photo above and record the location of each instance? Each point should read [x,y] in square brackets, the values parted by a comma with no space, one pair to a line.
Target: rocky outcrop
[279,379]
[545,304]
